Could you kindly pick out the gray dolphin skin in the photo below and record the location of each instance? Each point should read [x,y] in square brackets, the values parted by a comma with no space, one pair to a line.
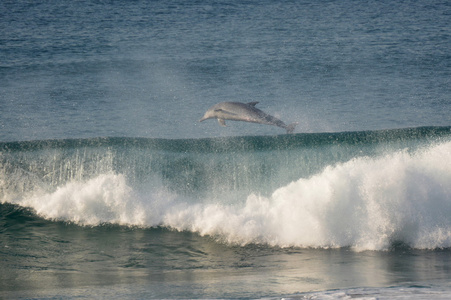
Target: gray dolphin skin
[247,112]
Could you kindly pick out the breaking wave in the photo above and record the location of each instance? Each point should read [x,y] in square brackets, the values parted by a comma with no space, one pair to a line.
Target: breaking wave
[367,191]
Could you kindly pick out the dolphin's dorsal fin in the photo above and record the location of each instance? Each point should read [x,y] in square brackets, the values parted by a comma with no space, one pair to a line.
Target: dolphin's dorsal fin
[252,103]
[222,122]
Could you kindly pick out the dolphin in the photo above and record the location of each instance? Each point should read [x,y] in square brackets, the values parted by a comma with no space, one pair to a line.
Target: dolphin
[247,112]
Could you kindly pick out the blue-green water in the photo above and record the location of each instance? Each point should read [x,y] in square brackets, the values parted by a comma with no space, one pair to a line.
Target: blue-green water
[111,188]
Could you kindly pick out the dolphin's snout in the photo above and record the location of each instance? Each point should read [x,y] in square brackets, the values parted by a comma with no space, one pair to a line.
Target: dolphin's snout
[205,117]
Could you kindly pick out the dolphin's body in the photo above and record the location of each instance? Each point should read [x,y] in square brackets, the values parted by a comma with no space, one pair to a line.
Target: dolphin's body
[247,112]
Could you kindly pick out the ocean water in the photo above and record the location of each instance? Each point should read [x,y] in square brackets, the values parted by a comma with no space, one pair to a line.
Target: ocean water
[111,188]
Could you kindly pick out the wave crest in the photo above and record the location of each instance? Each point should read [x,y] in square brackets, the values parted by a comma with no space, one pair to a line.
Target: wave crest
[365,203]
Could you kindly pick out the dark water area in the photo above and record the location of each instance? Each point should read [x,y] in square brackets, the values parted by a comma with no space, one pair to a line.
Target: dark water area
[151,69]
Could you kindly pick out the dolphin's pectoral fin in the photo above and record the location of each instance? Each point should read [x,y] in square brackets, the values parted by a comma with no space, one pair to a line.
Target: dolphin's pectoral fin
[252,103]
[222,122]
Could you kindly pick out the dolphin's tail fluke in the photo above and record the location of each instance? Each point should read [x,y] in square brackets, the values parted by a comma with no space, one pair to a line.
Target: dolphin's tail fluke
[290,128]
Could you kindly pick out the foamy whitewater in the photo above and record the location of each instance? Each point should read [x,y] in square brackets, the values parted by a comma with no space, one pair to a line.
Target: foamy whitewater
[366,203]
[110,187]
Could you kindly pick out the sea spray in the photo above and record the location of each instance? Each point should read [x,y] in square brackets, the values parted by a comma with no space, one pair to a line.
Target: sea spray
[367,191]
[365,203]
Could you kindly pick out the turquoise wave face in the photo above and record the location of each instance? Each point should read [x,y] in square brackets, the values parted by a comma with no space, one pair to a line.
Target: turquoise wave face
[248,164]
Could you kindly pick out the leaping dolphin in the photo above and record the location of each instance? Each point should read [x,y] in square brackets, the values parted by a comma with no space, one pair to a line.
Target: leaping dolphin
[247,112]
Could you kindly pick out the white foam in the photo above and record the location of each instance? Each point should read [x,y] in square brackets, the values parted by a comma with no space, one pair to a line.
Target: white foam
[106,198]
[401,292]
[365,203]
